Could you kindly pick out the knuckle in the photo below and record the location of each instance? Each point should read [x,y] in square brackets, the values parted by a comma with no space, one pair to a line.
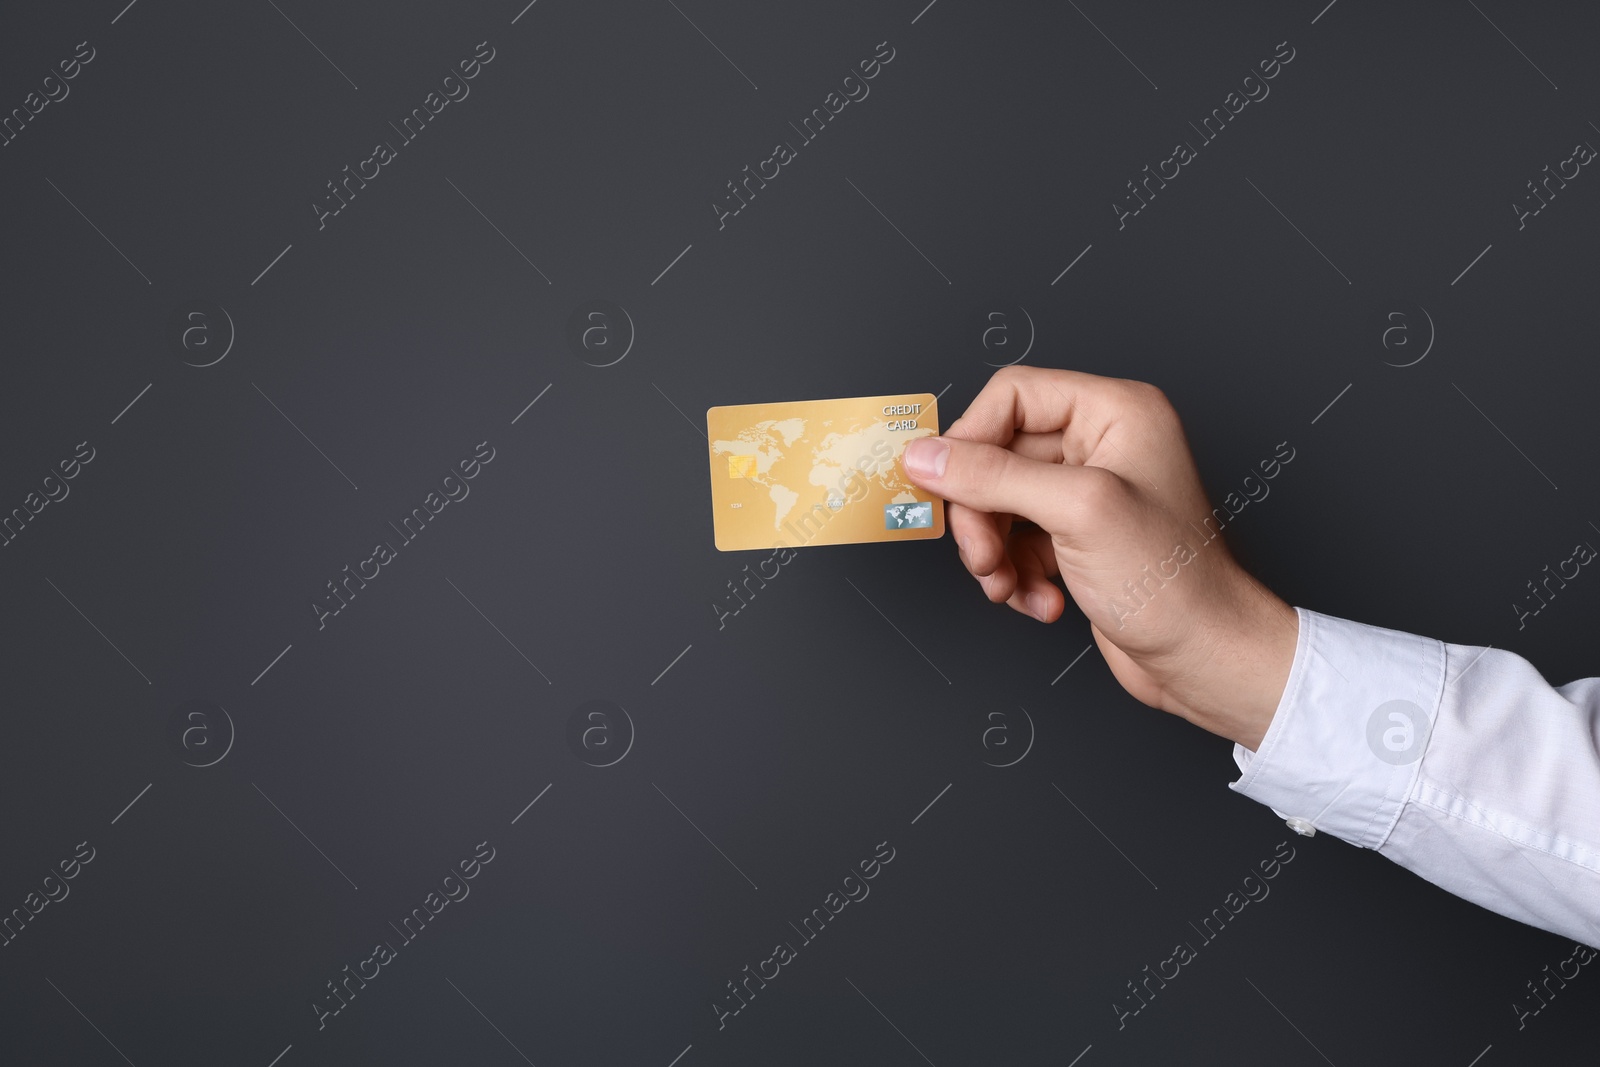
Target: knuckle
[1148,397]
[1101,493]
[977,464]
[1154,409]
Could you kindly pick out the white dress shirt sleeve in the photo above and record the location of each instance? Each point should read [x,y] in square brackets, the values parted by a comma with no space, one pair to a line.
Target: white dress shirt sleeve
[1461,764]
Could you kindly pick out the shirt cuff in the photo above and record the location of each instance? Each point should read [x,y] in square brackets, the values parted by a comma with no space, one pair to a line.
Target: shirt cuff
[1346,742]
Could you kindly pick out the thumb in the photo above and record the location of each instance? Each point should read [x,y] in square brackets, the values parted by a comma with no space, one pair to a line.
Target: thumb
[990,478]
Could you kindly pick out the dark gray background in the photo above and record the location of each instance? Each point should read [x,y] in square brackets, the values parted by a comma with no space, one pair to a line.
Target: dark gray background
[807,730]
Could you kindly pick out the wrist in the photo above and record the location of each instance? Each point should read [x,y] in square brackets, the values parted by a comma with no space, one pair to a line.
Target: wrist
[1245,667]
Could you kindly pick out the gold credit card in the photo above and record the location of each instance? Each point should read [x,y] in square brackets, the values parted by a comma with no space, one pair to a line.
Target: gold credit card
[819,472]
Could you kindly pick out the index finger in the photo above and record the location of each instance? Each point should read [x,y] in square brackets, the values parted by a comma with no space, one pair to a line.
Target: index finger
[1034,400]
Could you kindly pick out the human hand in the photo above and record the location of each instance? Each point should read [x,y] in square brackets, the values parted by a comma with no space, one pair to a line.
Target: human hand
[1058,473]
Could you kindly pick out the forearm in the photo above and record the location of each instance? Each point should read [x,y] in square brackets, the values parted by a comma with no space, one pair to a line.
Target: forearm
[1459,763]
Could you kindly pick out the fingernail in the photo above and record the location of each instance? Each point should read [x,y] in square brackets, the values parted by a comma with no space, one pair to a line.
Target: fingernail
[926,457]
[1037,605]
